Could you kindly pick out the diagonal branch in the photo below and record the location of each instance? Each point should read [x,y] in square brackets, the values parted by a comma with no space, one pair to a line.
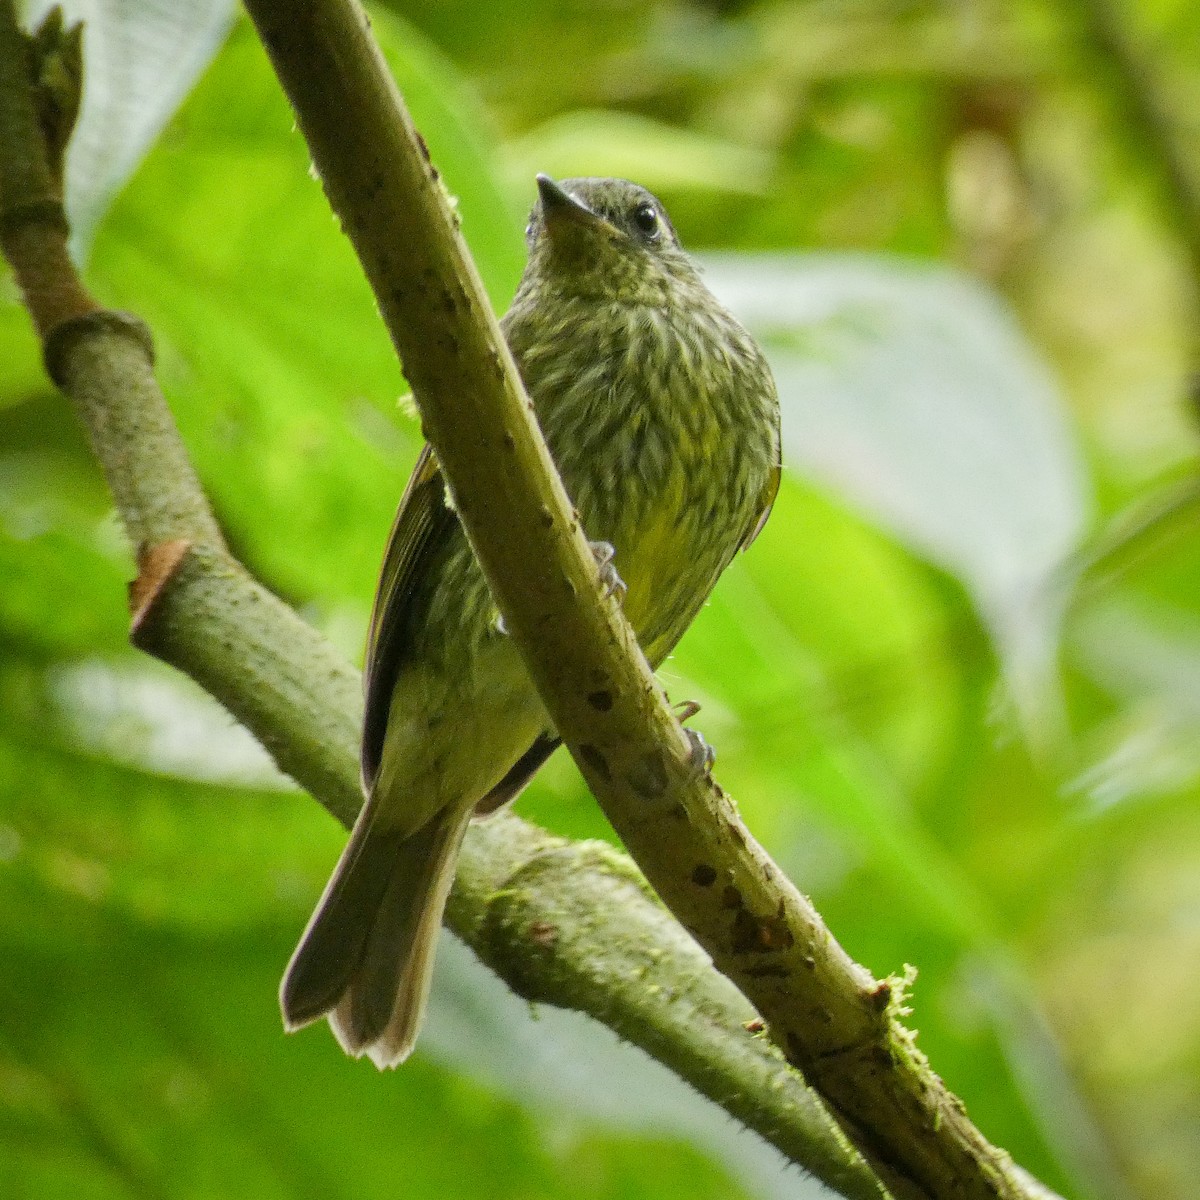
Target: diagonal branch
[1135,91]
[826,1013]
[562,923]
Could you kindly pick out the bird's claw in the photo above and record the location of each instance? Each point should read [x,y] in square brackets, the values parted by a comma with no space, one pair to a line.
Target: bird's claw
[610,582]
[701,756]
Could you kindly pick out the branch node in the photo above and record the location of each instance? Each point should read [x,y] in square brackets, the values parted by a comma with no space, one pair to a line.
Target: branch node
[45,210]
[157,566]
[62,339]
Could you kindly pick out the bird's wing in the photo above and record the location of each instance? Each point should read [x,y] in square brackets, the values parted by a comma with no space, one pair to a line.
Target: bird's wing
[422,522]
[766,501]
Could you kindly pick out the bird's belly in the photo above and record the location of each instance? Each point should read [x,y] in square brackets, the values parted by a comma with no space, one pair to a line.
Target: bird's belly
[453,736]
[668,567]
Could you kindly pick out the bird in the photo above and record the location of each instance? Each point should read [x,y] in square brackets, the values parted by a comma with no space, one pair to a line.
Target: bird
[662,417]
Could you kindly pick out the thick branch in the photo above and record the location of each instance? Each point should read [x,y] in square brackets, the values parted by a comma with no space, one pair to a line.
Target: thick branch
[561,923]
[826,1013]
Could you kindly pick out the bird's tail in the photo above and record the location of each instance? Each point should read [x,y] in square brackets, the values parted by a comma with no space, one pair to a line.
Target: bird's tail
[366,958]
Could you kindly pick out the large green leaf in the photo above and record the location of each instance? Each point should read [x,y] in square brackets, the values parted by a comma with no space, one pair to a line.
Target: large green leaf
[657,155]
[147,1088]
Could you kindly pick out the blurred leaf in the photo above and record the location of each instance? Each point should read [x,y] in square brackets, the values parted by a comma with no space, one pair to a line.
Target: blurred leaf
[910,390]
[63,558]
[147,715]
[1147,655]
[1135,638]
[657,155]
[170,854]
[181,1110]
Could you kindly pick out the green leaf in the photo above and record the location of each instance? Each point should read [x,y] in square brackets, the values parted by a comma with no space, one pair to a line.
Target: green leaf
[657,155]
[147,1088]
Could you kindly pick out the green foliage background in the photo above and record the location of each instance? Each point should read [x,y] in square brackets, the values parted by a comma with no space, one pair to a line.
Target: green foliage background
[966,726]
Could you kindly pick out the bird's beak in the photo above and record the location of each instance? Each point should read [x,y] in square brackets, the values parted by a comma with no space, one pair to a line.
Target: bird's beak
[560,210]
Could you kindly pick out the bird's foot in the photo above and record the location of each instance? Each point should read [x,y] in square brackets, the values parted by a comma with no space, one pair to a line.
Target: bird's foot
[610,582]
[701,756]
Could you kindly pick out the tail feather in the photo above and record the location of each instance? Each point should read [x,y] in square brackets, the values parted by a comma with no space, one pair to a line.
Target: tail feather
[366,958]
[331,946]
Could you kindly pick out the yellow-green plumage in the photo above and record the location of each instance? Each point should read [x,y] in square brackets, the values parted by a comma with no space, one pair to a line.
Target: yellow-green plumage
[661,415]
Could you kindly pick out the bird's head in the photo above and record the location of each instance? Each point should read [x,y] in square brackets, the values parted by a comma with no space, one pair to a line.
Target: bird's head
[604,238]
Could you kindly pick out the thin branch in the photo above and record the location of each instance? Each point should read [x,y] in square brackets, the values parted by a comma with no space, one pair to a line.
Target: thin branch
[1152,135]
[87,351]
[827,1014]
[32,221]
[566,924]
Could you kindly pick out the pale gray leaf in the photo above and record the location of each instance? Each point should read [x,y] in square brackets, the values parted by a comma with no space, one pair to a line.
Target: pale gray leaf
[910,390]
[141,58]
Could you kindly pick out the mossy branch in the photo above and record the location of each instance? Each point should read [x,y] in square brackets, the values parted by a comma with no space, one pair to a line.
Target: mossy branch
[826,1013]
[560,922]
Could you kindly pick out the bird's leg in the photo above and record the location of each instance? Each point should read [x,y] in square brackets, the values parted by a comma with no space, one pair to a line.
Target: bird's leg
[702,755]
[611,583]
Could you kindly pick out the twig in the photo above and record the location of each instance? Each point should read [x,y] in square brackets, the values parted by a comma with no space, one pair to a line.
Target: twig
[1152,135]
[826,1013]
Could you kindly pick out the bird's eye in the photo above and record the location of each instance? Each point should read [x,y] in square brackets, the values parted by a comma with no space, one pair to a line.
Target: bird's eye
[645,217]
